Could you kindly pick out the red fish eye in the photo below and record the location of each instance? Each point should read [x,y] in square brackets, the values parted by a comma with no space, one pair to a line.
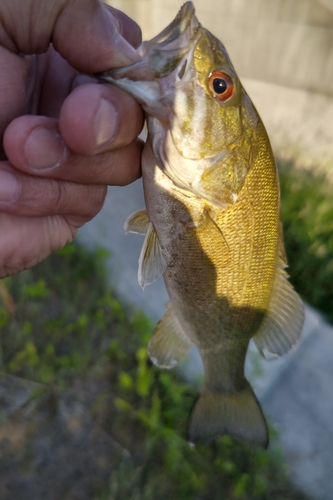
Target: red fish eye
[221,85]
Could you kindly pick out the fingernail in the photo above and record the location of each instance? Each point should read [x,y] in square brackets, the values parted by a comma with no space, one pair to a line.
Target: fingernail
[105,124]
[9,186]
[44,148]
[125,53]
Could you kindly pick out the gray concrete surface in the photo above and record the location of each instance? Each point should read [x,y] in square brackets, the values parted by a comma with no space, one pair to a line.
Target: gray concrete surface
[297,394]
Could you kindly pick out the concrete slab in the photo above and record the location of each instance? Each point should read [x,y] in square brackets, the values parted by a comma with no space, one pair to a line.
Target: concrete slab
[299,400]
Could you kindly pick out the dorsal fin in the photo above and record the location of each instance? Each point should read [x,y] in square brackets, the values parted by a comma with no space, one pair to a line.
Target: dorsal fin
[137,222]
[151,262]
[168,344]
[283,322]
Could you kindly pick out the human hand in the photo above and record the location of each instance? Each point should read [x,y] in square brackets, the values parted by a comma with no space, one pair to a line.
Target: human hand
[63,141]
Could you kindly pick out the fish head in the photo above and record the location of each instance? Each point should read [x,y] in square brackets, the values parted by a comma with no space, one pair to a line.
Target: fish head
[202,124]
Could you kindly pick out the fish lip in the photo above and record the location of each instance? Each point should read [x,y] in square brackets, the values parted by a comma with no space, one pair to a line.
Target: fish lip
[164,53]
[180,24]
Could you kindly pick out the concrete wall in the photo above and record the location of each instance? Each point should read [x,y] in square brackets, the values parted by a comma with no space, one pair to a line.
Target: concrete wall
[283,51]
[286,42]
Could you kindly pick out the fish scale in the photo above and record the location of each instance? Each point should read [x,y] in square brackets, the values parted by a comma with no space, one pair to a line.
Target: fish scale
[212,223]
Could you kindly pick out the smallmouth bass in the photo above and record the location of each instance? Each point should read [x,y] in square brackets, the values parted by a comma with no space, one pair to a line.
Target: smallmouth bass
[212,224]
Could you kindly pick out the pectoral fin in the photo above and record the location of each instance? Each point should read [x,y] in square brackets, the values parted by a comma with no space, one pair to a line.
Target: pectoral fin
[168,344]
[137,222]
[151,262]
[283,323]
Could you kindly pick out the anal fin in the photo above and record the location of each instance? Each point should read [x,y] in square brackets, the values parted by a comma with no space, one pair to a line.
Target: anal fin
[284,319]
[168,344]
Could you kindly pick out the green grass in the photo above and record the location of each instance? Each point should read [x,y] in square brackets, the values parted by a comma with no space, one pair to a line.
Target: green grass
[61,324]
[307,214]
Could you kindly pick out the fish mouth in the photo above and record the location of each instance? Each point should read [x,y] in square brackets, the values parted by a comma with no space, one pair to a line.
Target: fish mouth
[166,50]
[164,64]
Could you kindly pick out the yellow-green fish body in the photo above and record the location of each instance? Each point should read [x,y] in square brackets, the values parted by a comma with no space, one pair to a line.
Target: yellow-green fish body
[212,225]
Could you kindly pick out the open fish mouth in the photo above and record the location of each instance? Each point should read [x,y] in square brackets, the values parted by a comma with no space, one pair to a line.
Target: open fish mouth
[166,51]
[165,82]
[164,64]
[171,85]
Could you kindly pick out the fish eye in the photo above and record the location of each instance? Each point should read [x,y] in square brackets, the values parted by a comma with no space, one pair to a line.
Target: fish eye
[221,85]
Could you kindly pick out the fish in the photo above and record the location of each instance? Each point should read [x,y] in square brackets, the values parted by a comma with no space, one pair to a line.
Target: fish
[212,223]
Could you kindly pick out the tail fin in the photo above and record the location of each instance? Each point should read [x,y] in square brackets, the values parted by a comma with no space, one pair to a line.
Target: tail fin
[238,414]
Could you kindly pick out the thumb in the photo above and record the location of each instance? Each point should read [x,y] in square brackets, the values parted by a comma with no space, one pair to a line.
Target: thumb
[87,33]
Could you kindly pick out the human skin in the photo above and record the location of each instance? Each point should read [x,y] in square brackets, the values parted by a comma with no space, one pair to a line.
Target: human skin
[64,136]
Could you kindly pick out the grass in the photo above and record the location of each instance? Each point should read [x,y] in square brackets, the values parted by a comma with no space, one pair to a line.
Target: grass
[307,214]
[63,327]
